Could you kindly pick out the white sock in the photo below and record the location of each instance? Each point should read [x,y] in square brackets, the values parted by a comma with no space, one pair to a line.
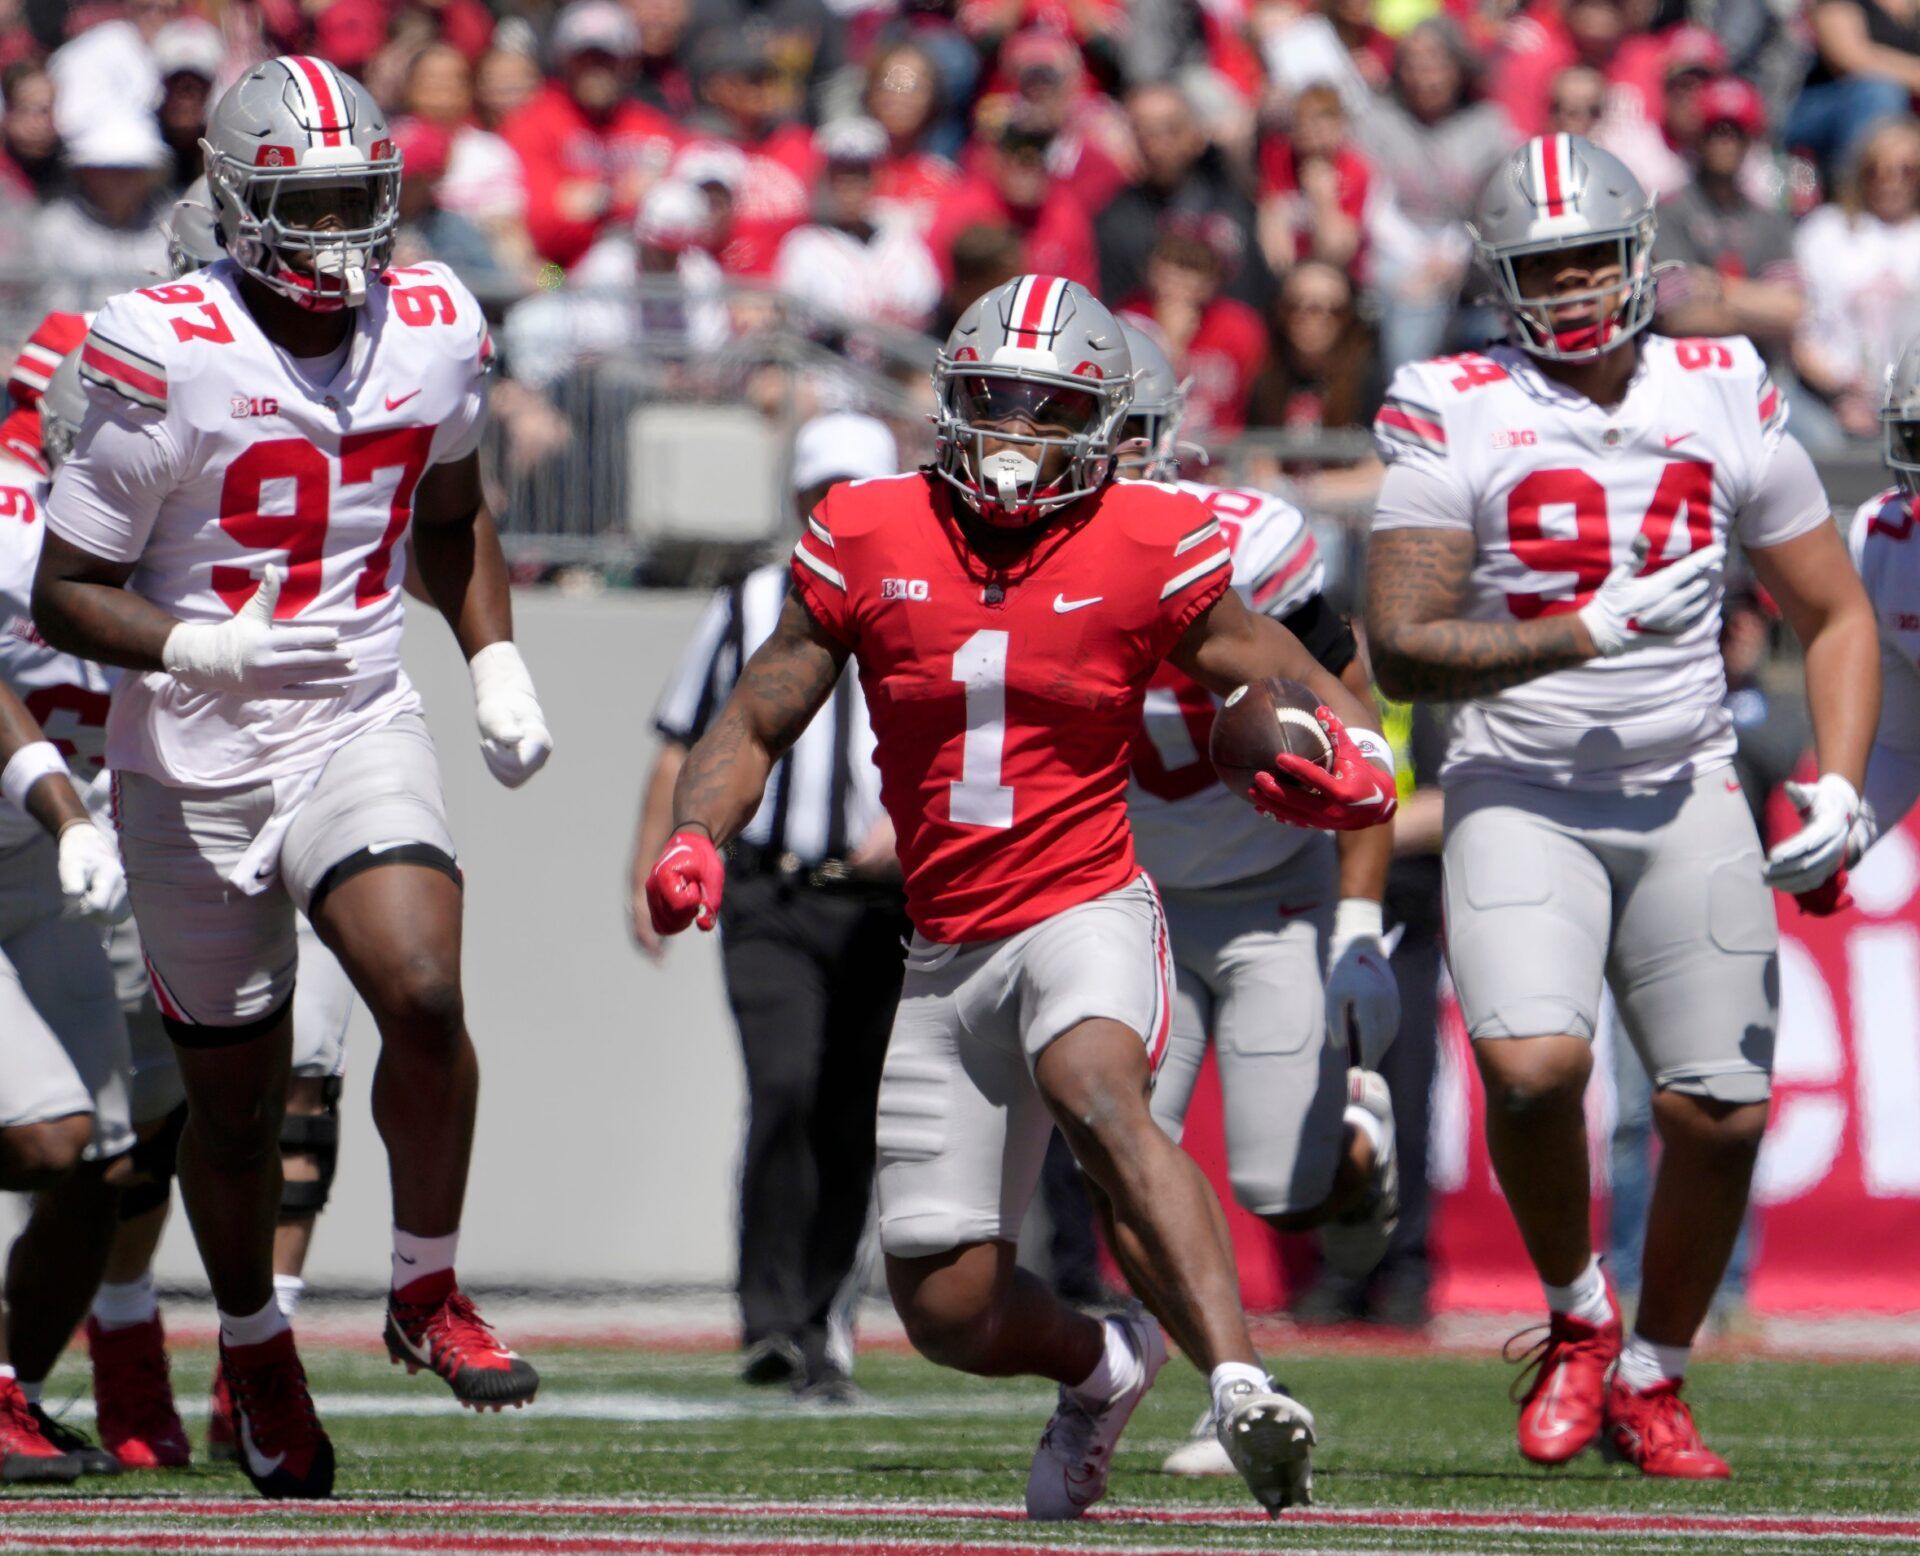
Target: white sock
[1585,1299]
[1118,1368]
[1229,1373]
[417,1256]
[126,1304]
[1643,1364]
[1370,1127]
[32,1390]
[287,1292]
[253,1328]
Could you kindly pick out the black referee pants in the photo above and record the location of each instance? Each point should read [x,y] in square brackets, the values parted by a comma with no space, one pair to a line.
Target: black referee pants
[813,975]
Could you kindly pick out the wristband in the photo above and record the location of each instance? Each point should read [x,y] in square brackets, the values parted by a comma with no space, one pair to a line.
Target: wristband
[1376,748]
[499,665]
[28,766]
[1357,918]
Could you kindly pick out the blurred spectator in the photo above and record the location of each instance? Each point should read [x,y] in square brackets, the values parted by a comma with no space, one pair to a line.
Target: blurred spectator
[588,150]
[1049,92]
[1576,100]
[662,79]
[1313,186]
[1097,28]
[902,96]
[188,56]
[105,237]
[1014,190]
[1216,342]
[504,82]
[1183,180]
[855,261]
[656,281]
[1322,374]
[1739,276]
[1607,35]
[1333,41]
[1865,68]
[31,162]
[749,101]
[428,230]
[742,246]
[1433,144]
[1656,147]
[1860,259]
[983,257]
[482,180]
[800,38]
[108,71]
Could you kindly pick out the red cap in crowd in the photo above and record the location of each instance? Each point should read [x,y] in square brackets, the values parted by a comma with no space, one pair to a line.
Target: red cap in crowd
[1730,100]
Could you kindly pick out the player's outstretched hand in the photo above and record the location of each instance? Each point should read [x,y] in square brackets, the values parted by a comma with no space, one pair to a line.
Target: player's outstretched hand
[1354,795]
[254,656]
[90,875]
[1632,609]
[686,882]
[1828,808]
[1363,996]
[513,731]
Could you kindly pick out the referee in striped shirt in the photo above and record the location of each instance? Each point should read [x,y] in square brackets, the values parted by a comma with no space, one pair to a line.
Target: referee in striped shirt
[813,928]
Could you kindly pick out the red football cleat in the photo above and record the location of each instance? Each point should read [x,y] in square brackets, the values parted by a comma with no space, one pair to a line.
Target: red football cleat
[25,1453]
[283,1448]
[133,1396]
[1652,1429]
[1562,1408]
[223,1438]
[432,1324]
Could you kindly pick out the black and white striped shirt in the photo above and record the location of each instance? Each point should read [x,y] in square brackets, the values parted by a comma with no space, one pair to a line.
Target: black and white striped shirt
[823,797]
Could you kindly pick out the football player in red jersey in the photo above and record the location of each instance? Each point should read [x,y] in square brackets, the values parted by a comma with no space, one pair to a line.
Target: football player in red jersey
[266,441]
[1006,606]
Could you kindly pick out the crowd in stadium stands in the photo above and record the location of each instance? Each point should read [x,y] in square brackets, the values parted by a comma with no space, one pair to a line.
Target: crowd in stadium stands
[1280,187]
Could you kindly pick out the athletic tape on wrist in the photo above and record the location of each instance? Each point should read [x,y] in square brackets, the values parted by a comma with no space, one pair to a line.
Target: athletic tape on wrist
[1375,748]
[27,767]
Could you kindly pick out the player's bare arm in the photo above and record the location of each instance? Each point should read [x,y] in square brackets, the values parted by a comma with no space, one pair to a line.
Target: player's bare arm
[1823,600]
[1365,855]
[456,549]
[81,605]
[47,793]
[1425,651]
[788,679]
[1228,646]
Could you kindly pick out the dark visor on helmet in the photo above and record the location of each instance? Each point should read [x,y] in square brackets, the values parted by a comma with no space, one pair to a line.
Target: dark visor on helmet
[1045,408]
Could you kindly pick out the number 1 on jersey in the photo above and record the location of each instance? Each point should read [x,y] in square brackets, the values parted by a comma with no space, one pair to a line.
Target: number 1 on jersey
[979,798]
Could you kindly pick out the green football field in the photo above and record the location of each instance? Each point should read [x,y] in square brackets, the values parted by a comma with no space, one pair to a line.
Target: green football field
[658,1451]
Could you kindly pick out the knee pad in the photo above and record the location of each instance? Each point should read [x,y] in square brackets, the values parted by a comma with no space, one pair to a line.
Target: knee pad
[316,1135]
[155,1160]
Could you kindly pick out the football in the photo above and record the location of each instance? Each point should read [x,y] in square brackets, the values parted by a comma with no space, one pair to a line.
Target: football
[1259,721]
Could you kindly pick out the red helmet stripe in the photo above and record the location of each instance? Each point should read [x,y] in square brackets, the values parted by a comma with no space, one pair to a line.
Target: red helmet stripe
[1042,297]
[1553,164]
[329,102]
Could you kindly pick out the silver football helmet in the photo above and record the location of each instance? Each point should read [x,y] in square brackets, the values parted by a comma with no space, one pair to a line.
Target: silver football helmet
[1900,418]
[1036,364]
[193,233]
[63,406]
[305,180]
[1150,436]
[1559,193]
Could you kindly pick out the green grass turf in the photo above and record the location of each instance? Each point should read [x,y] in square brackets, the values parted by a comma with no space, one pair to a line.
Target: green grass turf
[1396,1432]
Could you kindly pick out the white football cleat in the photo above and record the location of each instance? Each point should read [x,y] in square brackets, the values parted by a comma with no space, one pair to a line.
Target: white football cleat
[1355,1241]
[1070,1466]
[1201,1453]
[1269,1436]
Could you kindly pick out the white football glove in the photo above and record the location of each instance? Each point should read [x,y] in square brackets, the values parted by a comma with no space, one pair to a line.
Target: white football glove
[1629,612]
[1363,997]
[513,731]
[1828,808]
[90,875]
[253,656]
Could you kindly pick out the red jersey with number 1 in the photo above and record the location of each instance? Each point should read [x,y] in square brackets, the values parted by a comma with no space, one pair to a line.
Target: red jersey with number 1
[1005,702]
[208,454]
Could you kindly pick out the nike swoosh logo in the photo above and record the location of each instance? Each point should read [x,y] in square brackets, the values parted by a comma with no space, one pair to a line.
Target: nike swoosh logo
[1670,441]
[1733,786]
[260,1464]
[1294,910]
[394,405]
[1062,604]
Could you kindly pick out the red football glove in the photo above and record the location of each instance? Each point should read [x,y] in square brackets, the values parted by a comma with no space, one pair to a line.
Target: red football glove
[1355,795]
[1828,898]
[685,883]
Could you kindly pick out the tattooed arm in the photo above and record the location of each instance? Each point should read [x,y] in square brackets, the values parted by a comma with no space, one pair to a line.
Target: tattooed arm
[783,685]
[1424,650]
